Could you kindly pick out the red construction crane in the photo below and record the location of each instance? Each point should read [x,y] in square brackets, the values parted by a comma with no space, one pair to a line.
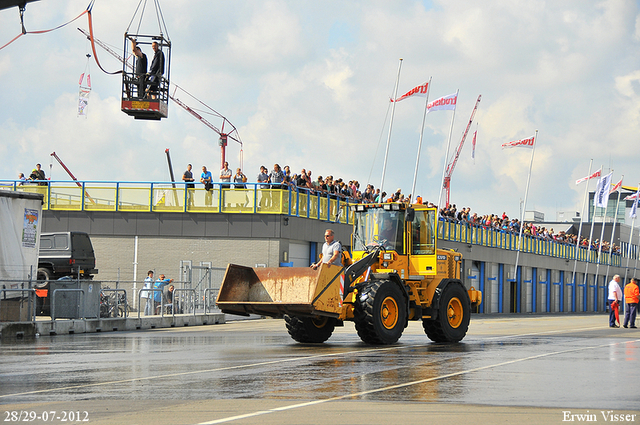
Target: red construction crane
[229,133]
[53,154]
[446,184]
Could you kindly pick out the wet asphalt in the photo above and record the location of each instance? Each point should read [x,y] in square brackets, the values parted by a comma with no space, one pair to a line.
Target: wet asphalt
[509,369]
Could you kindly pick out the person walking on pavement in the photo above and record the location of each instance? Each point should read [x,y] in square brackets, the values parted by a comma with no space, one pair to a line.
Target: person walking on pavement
[615,295]
[631,298]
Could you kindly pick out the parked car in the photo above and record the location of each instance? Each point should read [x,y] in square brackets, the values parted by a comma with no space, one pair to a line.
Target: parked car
[62,254]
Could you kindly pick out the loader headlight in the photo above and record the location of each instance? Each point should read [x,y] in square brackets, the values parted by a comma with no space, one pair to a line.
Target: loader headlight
[387,256]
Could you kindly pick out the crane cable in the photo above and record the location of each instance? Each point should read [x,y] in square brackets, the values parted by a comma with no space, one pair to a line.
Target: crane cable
[24,31]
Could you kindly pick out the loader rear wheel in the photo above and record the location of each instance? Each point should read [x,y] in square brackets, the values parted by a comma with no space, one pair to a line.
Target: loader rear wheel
[380,313]
[310,329]
[454,313]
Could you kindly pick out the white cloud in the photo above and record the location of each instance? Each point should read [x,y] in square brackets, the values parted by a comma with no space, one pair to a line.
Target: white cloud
[308,91]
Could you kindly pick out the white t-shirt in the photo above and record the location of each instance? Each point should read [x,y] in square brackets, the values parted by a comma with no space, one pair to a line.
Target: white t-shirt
[328,250]
[614,288]
[148,284]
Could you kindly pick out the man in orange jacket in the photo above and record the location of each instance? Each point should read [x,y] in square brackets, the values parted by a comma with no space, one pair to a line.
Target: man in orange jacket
[632,296]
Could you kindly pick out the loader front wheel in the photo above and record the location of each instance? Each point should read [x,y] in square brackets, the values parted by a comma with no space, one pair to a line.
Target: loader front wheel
[310,330]
[380,313]
[454,313]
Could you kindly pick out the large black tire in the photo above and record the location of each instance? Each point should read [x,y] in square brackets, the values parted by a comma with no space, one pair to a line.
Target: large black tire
[454,313]
[43,276]
[380,313]
[310,330]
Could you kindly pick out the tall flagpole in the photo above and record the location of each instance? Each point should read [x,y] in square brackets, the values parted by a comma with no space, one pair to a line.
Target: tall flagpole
[604,222]
[613,231]
[393,109]
[526,193]
[633,222]
[446,156]
[586,263]
[424,119]
[575,262]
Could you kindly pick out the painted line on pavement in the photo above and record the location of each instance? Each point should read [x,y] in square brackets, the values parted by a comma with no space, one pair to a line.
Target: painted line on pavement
[406,384]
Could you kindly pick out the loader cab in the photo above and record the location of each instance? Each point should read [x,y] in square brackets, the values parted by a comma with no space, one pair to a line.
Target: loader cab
[375,225]
[410,232]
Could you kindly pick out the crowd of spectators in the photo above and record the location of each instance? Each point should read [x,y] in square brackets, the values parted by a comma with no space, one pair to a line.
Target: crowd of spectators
[502,223]
[337,188]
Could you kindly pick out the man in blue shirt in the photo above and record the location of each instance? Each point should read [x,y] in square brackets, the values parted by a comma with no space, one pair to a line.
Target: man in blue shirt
[206,179]
[157,295]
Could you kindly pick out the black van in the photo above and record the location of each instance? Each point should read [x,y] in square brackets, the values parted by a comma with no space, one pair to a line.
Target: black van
[62,254]
[65,254]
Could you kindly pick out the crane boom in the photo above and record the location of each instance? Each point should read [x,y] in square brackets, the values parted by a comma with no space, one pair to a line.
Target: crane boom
[53,154]
[452,164]
[223,135]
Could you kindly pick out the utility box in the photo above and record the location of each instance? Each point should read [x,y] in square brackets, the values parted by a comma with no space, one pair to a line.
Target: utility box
[69,302]
[20,222]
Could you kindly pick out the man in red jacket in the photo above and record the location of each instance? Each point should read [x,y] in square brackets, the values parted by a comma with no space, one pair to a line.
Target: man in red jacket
[632,296]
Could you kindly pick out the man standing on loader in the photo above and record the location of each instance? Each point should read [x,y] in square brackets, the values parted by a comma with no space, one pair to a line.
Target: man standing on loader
[331,251]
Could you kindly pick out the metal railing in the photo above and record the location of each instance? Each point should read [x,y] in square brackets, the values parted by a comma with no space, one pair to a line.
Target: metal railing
[493,238]
[31,297]
[80,304]
[117,302]
[250,198]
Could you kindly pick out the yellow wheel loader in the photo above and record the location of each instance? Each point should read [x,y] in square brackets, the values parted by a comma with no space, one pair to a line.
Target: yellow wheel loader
[396,274]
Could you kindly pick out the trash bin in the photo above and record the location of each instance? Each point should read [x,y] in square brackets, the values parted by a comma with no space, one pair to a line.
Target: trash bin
[67,304]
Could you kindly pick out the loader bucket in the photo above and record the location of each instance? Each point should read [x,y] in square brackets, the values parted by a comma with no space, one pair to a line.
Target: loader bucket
[297,291]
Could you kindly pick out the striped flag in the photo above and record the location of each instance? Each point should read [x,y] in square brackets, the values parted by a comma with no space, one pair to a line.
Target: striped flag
[634,208]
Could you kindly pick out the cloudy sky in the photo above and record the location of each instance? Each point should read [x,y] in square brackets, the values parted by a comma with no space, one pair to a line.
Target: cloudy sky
[307,85]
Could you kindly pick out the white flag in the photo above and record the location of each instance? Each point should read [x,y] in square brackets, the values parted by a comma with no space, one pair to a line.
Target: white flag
[601,197]
[617,186]
[420,91]
[524,143]
[592,176]
[634,208]
[444,103]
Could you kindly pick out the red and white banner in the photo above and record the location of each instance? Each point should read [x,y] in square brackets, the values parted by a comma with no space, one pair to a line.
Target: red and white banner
[522,143]
[592,176]
[473,145]
[631,197]
[617,186]
[420,91]
[444,103]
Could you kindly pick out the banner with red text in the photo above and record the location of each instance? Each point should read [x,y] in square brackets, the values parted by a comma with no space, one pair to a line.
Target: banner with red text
[592,176]
[444,103]
[522,143]
[617,186]
[420,91]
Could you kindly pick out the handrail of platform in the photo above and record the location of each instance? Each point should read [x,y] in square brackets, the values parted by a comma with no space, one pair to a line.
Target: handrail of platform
[261,198]
[492,238]
[252,198]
